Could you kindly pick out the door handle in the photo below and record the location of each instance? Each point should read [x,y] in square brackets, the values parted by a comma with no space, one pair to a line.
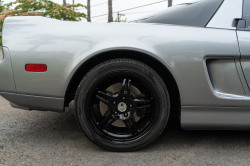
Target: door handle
[241,24]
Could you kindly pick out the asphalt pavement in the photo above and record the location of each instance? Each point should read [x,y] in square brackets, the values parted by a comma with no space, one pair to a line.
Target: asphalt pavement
[47,138]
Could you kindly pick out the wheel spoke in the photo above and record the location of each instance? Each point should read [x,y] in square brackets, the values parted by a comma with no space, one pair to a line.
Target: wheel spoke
[143,107]
[140,96]
[109,123]
[106,118]
[127,87]
[107,95]
[133,124]
[102,99]
[128,125]
[97,112]
[122,88]
[142,101]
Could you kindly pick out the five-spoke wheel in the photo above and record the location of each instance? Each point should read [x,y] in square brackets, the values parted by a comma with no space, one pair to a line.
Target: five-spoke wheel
[123,106]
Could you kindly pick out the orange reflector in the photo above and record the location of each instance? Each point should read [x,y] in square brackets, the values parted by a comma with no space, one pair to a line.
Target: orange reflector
[36,68]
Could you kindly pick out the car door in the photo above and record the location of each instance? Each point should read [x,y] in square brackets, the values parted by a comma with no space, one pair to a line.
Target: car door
[243,32]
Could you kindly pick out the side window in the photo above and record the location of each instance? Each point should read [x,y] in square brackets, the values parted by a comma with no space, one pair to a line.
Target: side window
[246,13]
[197,13]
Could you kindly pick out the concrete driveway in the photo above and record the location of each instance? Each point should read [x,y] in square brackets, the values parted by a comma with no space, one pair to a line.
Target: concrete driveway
[46,138]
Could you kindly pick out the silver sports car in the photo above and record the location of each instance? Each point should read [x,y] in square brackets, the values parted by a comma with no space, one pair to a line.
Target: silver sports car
[191,61]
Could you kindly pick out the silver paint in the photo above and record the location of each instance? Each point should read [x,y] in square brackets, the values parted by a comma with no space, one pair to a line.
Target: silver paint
[229,10]
[181,49]
[6,74]
[244,43]
[212,118]
[224,77]
[1,54]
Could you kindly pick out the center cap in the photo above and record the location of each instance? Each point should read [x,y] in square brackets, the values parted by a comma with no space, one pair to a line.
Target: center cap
[122,107]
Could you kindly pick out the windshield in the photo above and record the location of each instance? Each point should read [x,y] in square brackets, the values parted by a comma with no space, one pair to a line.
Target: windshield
[191,14]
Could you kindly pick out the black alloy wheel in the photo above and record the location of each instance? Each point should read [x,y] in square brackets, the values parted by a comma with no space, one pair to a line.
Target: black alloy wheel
[122,105]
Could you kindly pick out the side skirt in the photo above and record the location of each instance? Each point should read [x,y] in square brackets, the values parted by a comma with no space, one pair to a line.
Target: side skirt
[215,118]
[35,102]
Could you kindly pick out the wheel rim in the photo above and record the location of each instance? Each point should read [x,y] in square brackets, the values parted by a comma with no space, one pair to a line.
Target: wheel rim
[137,111]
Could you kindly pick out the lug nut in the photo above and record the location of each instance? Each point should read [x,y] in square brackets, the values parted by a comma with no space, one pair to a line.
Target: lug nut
[126,114]
[115,113]
[114,102]
[123,98]
[131,105]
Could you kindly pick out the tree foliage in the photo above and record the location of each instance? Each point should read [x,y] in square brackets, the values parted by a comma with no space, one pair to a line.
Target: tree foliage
[1,6]
[45,8]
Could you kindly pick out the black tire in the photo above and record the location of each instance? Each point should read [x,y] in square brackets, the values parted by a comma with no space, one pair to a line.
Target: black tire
[149,103]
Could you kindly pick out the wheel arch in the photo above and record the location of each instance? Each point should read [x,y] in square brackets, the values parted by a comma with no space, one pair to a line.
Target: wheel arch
[160,68]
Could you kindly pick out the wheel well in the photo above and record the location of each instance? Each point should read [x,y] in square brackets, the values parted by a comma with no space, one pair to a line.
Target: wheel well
[142,57]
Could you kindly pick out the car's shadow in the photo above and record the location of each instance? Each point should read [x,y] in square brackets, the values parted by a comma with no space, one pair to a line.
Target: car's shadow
[57,136]
[53,128]
[173,137]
